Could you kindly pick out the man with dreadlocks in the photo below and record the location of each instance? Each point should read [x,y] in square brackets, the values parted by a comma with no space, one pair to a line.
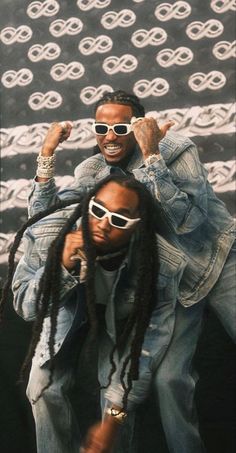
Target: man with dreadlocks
[98,263]
[199,223]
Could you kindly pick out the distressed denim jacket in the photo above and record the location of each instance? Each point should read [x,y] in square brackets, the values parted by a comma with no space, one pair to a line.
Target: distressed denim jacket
[199,222]
[72,312]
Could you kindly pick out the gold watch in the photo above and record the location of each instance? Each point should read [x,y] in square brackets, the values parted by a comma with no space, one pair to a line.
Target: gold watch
[118,415]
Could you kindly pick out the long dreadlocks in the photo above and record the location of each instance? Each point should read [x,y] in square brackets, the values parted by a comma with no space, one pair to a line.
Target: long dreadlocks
[47,301]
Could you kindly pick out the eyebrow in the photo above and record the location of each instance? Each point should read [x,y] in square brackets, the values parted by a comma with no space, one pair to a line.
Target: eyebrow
[124,211]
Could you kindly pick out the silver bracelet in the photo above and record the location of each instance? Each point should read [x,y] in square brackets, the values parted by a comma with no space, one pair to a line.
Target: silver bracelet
[45,173]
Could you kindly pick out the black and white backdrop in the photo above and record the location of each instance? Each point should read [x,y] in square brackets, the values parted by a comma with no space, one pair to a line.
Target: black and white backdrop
[59,56]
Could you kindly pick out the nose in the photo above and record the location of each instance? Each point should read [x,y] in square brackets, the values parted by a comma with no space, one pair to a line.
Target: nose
[111,135]
[104,224]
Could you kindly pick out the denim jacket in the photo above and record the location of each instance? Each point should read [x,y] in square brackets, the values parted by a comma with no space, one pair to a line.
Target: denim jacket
[37,240]
[199,222]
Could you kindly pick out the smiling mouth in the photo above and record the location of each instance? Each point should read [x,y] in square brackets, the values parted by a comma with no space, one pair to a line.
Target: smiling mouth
[112,149]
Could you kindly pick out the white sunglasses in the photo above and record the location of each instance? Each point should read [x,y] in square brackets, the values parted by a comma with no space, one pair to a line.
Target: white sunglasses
[115,220]
[118,129]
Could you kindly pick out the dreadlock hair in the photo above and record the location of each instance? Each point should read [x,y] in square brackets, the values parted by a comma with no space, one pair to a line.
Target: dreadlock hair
[47,300]
[123,98]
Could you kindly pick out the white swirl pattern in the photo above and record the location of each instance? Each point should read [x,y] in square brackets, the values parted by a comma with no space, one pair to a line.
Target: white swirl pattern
[214,80]
[180,56]
[221,6]
[49,51]
[73,71]
[167,11]
[101,44]
[112,19]
[210,29]
[21,78]
[86,5]
[125,63]
[21,34]
[90,95]
[224,50]
[156,87]
[47,8]
[49,100]
[71,26]
[154,37]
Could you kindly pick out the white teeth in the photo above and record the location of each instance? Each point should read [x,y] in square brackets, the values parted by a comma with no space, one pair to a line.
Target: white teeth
[112,149]
[112,146]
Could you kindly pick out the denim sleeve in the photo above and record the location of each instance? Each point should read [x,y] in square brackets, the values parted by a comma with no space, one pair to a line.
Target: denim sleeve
[45,194]
[26,281]
[181,189]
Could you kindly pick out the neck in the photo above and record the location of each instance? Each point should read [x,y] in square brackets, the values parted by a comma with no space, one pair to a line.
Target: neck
[112,260]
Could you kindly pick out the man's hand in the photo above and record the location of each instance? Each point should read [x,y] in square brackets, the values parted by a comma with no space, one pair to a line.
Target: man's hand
[148,134]
[57,133]
[101,437]
[73,247]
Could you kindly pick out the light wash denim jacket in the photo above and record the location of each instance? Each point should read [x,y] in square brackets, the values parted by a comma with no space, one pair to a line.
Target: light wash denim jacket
[72,313]
[199,222]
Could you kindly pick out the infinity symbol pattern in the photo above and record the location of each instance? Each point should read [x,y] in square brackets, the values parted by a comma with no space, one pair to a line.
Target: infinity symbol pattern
[126,63]
[224,50]
[210,29]
[47,8]
[154,37]
[21,78]
[214,80]
[112,19]
[166,11]
[156,87]
[179,56]
[49,100]
[72,71]
[90,94]
[9,35]
[49,51]
[86,5]
[101,44]
[71,26]
[221,6]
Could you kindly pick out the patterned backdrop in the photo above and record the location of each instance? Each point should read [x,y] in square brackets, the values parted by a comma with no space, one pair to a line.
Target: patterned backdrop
[58,58]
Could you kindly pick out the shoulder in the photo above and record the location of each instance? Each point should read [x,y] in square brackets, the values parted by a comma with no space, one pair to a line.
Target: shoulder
[174,144]
[89,166]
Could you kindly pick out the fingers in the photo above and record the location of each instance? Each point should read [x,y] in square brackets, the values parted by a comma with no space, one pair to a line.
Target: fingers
[66,127]
[165,127]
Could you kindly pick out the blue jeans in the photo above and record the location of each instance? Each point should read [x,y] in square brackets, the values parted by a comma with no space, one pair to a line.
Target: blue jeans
[175,378]
[56,424]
